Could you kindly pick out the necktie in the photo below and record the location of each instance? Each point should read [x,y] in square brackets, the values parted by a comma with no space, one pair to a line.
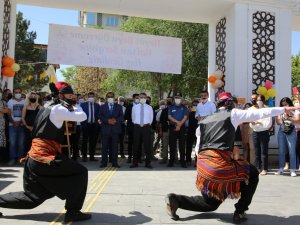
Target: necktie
[142,115]
[92,113]
[110,108]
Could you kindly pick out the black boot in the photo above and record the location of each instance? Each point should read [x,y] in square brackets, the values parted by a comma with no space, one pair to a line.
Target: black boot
[239,217]
[172,206]
[72,215]
[1,214]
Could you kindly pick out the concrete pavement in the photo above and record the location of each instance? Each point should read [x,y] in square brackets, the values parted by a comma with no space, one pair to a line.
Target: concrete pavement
[136,196]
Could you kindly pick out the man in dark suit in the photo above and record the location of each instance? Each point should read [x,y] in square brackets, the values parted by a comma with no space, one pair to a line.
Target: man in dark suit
[90,127]
[111,116]
[129,130]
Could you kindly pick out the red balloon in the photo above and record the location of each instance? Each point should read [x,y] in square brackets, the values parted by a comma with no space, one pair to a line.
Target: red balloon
[8,71]
[269,84]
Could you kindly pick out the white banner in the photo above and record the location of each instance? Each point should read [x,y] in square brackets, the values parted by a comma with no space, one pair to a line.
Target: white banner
[113,49]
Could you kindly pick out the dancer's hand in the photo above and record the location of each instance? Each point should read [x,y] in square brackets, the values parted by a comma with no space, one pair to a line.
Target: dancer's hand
[290,109]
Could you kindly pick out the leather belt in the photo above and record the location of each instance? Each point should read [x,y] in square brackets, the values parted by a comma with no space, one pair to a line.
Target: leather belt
[145,125]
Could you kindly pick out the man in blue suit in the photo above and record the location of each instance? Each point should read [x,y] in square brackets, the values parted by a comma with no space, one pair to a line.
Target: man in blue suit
[111,116]
[90,127]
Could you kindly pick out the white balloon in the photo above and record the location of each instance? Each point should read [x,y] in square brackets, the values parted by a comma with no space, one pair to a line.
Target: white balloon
[218,74]
[219,83]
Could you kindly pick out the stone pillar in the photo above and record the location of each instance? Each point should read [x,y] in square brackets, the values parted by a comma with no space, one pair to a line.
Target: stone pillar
[258,48]
[7,35]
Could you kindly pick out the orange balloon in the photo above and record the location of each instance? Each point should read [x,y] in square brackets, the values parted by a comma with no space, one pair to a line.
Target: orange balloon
[8,71]
[8,61]
[212,79]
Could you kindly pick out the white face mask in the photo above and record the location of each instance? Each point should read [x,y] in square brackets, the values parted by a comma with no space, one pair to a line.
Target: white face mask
[204,100]
[101,103]
[260,103]
[91,99]
[110,100]
[177,101]
[162,106]
[143,100]
[121,103]
[18,96]
[136,101]
[297,104]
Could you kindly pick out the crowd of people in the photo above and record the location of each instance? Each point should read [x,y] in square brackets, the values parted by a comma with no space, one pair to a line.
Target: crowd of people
[32,131]
[168,129]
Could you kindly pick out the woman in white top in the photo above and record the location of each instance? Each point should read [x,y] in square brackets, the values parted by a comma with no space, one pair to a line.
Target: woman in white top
[261,137]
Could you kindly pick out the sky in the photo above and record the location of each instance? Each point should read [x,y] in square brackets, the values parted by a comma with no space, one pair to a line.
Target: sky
[41,17]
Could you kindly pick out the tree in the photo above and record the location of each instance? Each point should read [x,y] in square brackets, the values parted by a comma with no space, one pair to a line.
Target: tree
[296,70]
[85,79]
[195,58]
[31,76]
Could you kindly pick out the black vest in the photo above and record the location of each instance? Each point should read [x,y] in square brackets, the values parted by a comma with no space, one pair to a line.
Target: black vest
[45,129]
[217,132]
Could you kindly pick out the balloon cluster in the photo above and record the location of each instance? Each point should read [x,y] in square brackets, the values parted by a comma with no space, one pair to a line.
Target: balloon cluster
[9,67]
[267,90]
[215,79]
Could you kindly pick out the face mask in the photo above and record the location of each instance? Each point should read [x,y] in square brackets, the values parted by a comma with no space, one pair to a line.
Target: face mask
[9,96]
[69,101]
[91,99]
[101,103]
[18,96]
[260,103]
[32,100]
[162,107]
[136,101]
[253,102]
[297,104]
[110,100]
[204,100]
[121,103]
[143,101]
[177,101]
[74,102]
[148,102]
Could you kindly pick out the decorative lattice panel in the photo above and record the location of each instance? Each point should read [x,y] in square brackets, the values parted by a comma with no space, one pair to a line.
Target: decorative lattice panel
[263,48]
[221,46]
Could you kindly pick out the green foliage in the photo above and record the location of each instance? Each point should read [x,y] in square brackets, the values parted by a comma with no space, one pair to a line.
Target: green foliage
[195,59]
[85,79]
[29,77]
[296,70]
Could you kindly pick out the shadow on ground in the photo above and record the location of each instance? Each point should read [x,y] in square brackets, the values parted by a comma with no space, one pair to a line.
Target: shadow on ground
[255,219]
[97,218]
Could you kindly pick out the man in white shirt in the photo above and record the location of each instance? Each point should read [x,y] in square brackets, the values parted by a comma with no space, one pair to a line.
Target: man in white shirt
[205,107]
[16,129]
[142,117]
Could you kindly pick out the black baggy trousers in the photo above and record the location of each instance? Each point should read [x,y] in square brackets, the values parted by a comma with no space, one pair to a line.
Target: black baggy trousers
[66,179]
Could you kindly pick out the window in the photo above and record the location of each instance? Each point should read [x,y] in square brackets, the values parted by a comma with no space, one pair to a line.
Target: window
[91,18]
[112,21]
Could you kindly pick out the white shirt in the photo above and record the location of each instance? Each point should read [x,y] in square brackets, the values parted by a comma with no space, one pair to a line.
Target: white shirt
[15,109]
[158,115]
[241,116]
[136,113]
[78,106]
[59,114]
[205,109]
